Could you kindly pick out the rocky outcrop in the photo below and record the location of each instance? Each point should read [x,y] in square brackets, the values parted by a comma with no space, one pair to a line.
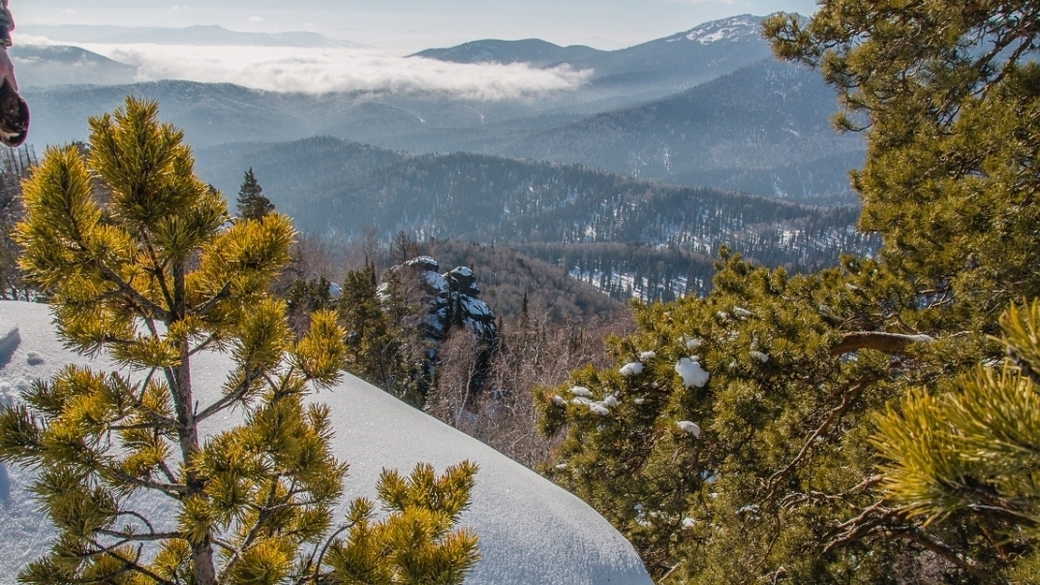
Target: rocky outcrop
[452,298]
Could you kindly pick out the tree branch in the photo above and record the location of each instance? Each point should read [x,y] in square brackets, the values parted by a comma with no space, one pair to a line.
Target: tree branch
[172,490]
[128,537]
[205,307]
[847,398]
[147,307]
[940,548]
[891,343]
[228,398]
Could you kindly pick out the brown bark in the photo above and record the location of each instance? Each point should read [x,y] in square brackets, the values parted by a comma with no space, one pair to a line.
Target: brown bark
[891,343]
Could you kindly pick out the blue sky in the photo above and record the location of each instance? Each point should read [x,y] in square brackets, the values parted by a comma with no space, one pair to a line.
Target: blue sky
[417,24]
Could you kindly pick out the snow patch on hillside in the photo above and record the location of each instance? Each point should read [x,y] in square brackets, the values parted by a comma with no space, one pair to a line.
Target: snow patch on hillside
[730,29]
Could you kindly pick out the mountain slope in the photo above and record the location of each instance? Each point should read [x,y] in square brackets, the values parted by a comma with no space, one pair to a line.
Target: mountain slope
[532,51]
[746,130]
[63,65]
[332,187]
[218,113]
[530,530]
[645,71]
[762,129]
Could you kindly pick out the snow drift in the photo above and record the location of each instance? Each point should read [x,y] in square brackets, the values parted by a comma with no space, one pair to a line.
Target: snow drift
[531,531]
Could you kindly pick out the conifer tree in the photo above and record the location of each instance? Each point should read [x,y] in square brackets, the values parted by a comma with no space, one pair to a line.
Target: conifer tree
[153,277]
[251,203]
[366,325]
[383,346]
[736,439]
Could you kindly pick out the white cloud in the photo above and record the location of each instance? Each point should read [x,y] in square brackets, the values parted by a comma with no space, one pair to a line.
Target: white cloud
[256,19]
[39,41]
[330,70]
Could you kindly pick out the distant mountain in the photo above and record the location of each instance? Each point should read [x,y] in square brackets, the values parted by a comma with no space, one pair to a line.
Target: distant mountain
[647,71]
[531,51]
[762,129]
[222,113]
[206,111]
[62,65]
[207,35]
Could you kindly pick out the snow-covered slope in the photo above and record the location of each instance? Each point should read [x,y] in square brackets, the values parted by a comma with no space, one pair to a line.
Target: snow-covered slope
[531,531]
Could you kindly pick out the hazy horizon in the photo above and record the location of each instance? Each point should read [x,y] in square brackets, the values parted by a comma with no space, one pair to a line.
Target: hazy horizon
[381,68]
[413,25]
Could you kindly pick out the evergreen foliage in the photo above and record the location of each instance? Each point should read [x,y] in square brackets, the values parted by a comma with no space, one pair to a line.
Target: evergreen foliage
[737,437]
[973,450]
[730,439]
[153,276]
[251,203]
[383,345]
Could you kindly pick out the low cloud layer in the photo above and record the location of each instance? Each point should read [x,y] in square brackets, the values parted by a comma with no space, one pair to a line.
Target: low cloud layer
[336,70]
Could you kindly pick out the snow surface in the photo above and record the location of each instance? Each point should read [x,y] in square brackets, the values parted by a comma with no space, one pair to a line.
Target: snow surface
[581,391]
[531,531]
[729,29]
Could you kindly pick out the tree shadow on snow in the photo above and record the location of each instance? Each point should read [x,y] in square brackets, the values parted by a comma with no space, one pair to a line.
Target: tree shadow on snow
[8,343]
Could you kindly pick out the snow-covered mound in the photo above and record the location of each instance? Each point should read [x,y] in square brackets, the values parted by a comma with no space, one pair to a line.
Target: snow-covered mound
[531,531]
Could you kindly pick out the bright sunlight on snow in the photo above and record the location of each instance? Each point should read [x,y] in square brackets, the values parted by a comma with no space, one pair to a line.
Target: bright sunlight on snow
[530,530]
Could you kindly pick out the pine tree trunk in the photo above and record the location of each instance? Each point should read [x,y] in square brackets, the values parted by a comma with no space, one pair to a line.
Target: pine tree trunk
[202,552]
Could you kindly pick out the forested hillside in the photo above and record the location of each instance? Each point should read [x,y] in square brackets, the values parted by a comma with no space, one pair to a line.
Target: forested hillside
[761,129]
[337,188]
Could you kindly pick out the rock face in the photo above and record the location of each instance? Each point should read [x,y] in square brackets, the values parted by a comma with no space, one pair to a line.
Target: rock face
[452,298]
[531,531]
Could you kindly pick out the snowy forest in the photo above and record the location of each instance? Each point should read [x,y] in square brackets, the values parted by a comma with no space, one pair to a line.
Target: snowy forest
[748,389]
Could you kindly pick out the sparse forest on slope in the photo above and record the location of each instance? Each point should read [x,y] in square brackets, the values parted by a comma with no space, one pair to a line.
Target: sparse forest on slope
[507,277]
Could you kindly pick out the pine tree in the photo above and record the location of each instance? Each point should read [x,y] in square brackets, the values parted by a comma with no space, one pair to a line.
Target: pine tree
[737,437]
[366,324]
[153,277]
[383,346]
[251,203]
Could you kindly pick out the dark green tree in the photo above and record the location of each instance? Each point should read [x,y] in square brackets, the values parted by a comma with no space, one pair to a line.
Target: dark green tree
[251,202]
[383,345]
[737,437]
